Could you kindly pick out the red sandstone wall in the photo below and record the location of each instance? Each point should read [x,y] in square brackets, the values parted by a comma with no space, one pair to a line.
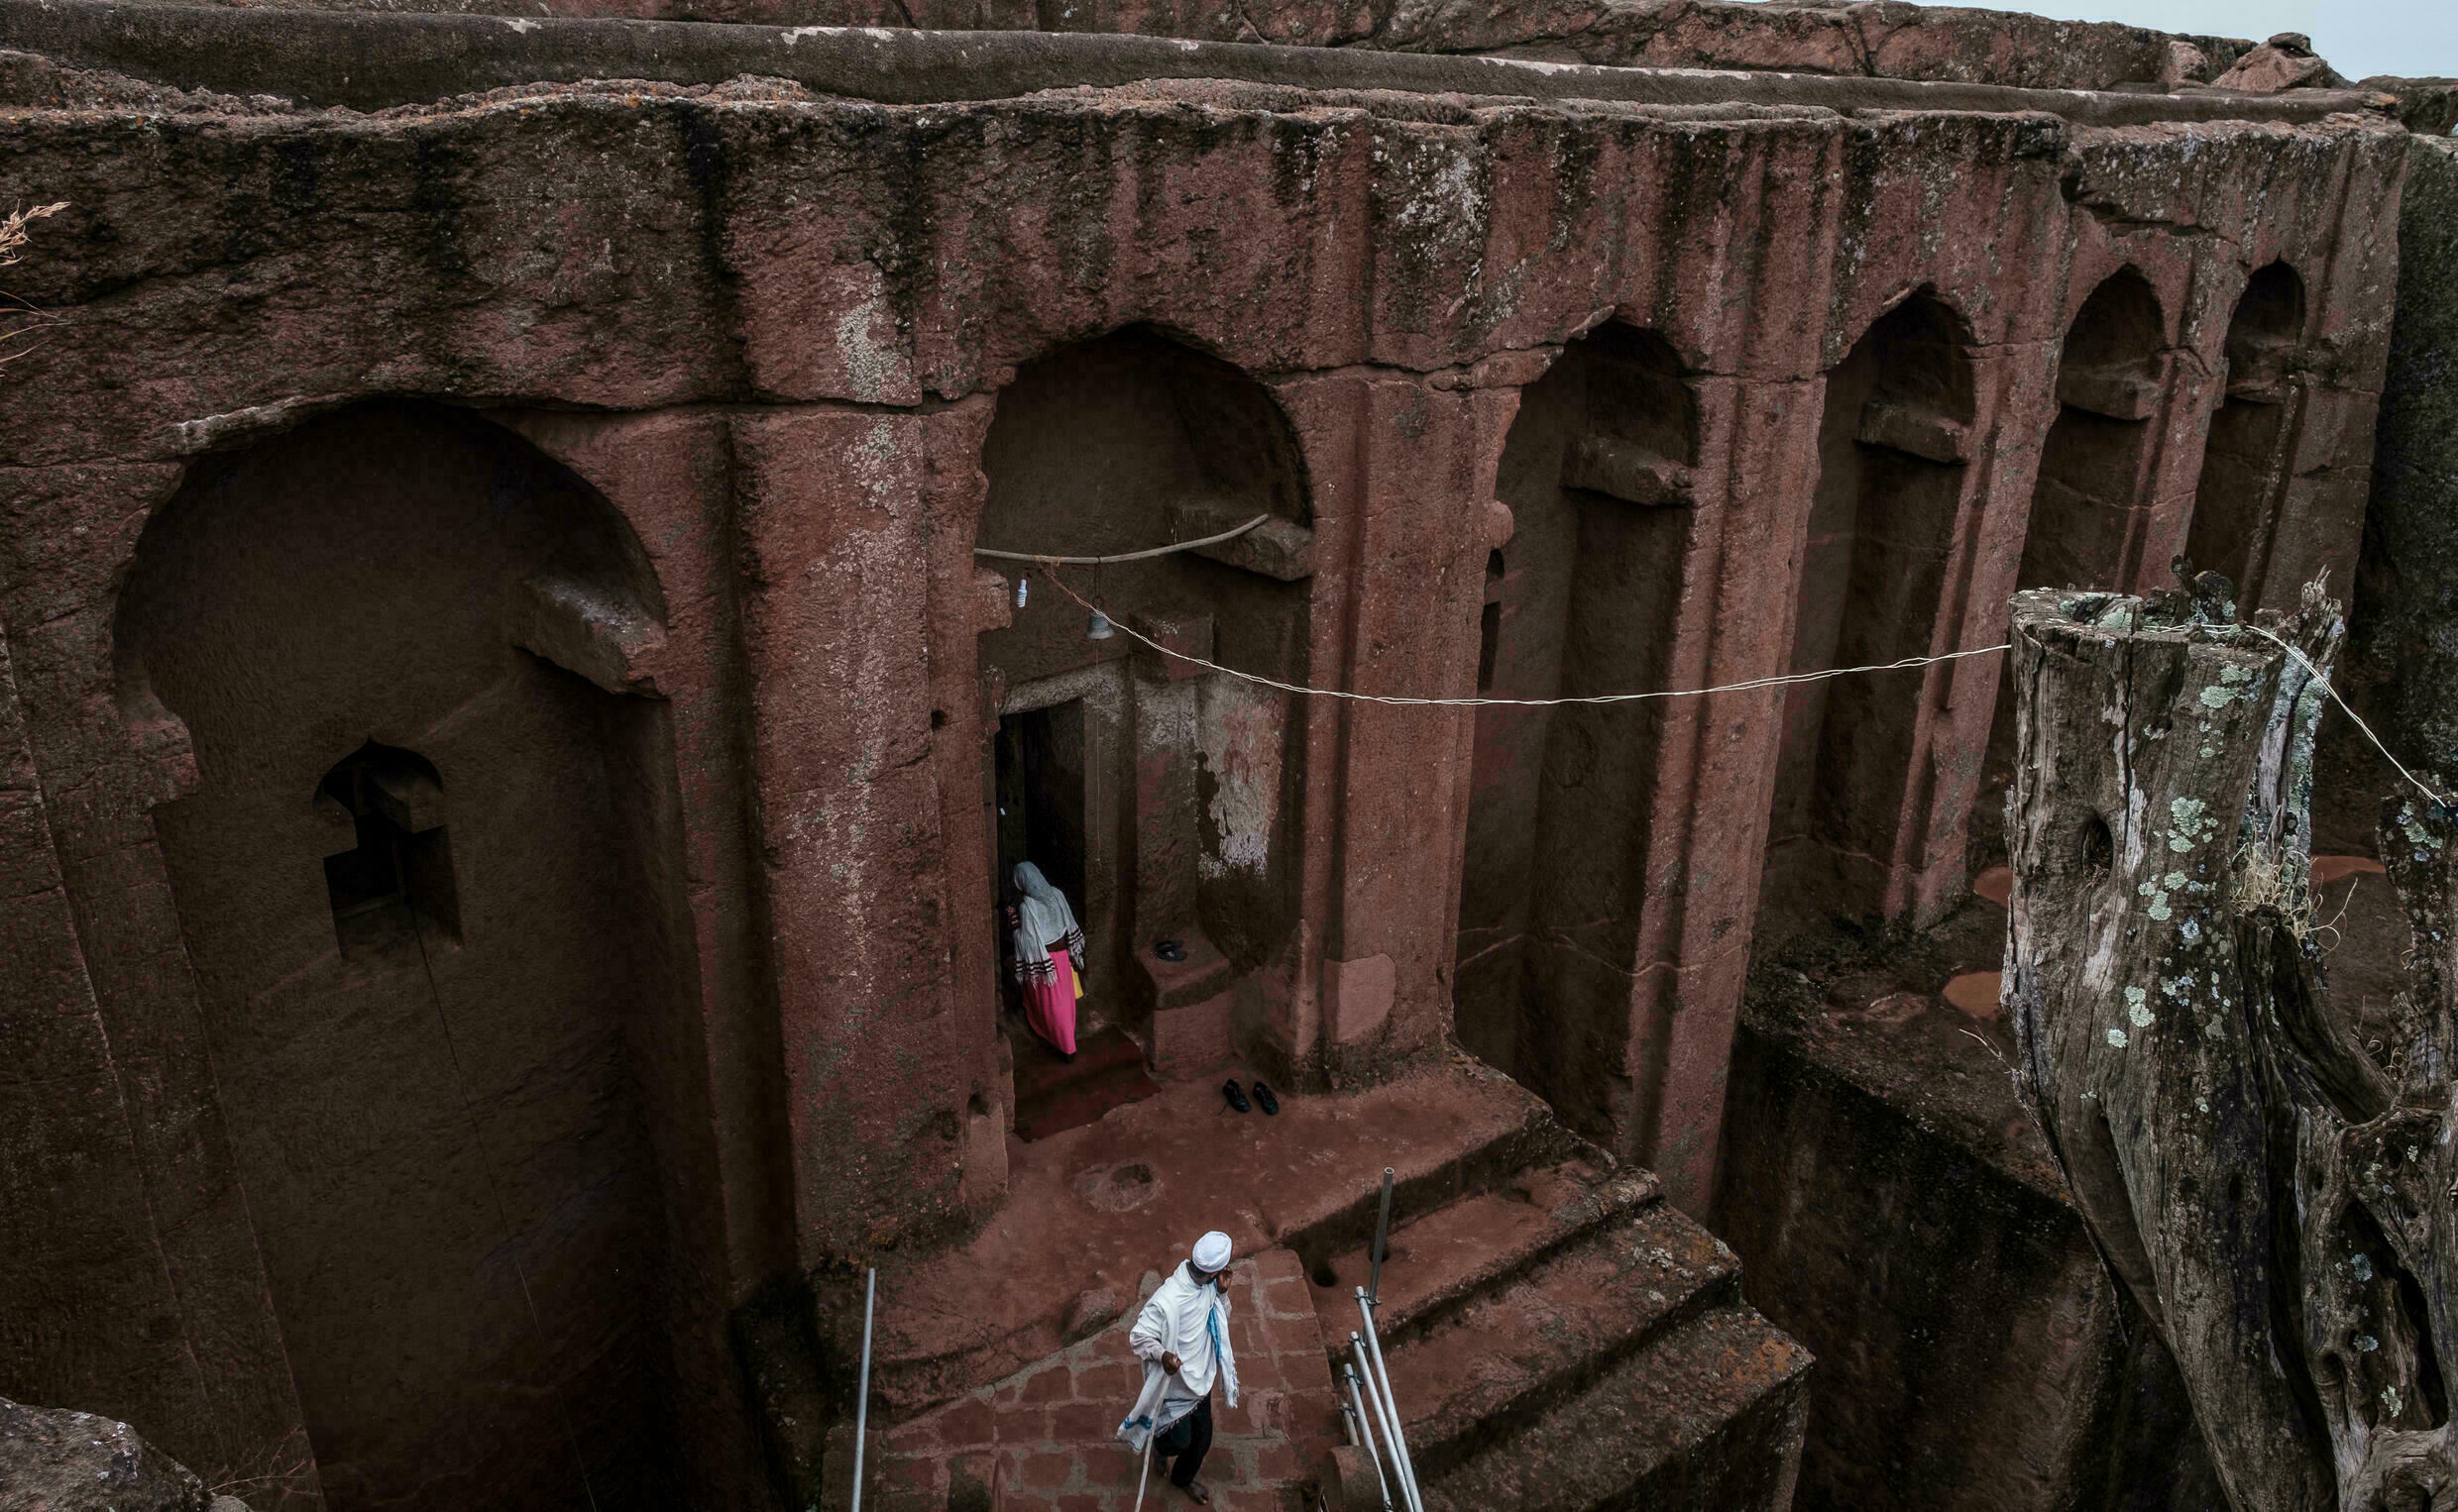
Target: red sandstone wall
[772,335]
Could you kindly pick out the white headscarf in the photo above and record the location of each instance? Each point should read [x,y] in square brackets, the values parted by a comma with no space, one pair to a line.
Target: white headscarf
[1040,918]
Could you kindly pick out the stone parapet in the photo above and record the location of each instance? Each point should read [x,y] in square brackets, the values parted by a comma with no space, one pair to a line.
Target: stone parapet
[408,58]
[1865,38]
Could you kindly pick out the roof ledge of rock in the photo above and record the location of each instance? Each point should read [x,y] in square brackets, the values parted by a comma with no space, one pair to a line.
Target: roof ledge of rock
[2286,61]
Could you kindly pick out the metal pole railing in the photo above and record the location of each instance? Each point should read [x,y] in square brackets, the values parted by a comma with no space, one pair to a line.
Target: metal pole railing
[1381,1381]
[1357,1409]
[861,1403]
[1382,1414]
[1382,1240]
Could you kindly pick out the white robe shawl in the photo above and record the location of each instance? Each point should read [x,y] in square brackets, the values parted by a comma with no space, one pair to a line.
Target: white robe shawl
[1191,1320]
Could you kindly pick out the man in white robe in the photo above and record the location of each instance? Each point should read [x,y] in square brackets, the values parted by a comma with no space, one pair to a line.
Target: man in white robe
[1182,1338]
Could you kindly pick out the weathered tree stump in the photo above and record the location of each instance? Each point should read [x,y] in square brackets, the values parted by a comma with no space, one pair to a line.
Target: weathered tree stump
[2283,1207]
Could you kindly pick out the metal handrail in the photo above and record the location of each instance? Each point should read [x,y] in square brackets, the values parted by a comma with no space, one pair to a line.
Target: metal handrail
[1380,1378]
[1356,1408]
[861,1403]
[1382,1240]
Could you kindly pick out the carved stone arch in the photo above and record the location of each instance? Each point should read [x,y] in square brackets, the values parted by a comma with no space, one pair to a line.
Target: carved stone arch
[450,1135]
[2094,495]
[1894,442]
[1584,598]
[1162,793]
[2249,460]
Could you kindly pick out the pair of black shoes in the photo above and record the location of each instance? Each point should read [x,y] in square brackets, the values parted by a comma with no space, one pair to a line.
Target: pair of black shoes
[1236,1098]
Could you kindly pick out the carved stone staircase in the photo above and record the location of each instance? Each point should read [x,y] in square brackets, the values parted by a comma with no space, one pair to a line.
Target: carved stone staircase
[1558,1336]
[1570,1341]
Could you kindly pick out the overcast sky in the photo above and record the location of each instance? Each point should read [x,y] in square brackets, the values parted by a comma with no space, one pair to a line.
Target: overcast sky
[2417,38]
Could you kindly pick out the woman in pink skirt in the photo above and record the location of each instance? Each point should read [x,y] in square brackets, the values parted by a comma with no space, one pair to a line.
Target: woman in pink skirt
[1049,959]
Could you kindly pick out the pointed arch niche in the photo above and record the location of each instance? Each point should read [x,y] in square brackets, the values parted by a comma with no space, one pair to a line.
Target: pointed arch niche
[1158,795]
[1597,472]
[2249,461]
[429,881]
[1894,442]
[2092,501]
[2093,487]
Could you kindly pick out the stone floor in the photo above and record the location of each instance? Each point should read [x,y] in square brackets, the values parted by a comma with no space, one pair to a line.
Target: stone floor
[1560,1339]
[1090,1211]
[1048,1432]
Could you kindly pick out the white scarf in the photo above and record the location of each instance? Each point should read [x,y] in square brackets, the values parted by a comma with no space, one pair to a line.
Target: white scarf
[1041,917]
[1179,1319]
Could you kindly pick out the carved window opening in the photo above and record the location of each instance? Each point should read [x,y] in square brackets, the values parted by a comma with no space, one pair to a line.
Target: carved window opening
[392,888]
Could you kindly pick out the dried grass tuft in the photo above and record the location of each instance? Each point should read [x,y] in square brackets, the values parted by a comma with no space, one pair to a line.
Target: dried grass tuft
[2272,880]
[13,233]
[22,321]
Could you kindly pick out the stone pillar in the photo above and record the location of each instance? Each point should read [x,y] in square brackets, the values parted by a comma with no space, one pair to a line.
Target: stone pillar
[2188,398]
[1402,470]
[670,477]
[1707,813]
[193,1349]
[2321,499]
[1955,703]
[87,1292]
[880,1067]
[710,1081]
[967,597]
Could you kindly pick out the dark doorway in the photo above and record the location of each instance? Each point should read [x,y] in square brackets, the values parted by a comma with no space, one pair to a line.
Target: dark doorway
[1041,797]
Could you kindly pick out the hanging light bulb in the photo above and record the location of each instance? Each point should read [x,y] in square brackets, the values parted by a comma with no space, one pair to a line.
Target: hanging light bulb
[1101,628]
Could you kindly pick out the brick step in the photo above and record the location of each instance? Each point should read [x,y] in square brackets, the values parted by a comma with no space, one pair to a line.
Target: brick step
[1707,1418]
[1500,1360]
[1440,1261]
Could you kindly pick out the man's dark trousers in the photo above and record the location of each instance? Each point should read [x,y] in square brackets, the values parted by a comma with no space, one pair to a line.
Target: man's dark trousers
[1189,1438]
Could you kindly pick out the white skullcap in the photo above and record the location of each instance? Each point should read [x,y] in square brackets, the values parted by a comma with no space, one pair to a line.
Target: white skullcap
[1212,1251]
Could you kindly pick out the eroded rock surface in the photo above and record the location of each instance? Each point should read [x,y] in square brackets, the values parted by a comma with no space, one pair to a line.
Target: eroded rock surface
[52,1459]
[2286,61]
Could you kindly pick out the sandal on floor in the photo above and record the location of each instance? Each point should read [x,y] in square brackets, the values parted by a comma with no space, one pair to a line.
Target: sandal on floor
[1265,1100]
[1237,1099]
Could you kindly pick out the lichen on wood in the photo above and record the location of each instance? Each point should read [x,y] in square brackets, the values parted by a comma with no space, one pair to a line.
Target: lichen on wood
[2283,1207]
